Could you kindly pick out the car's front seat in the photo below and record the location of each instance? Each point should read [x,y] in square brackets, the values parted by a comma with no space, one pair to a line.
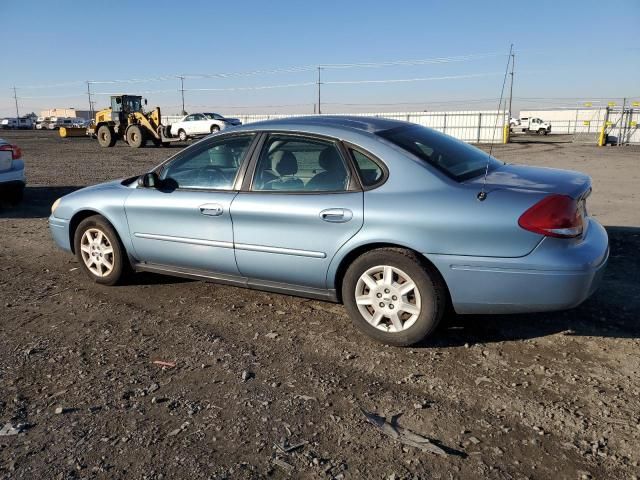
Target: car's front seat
[333,177]
[286,167]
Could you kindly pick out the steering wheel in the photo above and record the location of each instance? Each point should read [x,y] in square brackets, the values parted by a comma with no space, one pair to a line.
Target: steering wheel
[212,174]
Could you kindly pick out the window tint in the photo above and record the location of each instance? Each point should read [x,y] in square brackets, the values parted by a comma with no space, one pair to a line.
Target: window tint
[370,172]
[455,158]
[296,164]
[212,165]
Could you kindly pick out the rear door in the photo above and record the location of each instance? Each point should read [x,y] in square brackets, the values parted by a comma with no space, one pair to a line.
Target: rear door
[301,206]
[187,221]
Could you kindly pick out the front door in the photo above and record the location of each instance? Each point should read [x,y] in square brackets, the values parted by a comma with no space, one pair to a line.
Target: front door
[300,209]
[186,222]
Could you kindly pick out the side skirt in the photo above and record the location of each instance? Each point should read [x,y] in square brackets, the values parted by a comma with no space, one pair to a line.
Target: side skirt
[239,281]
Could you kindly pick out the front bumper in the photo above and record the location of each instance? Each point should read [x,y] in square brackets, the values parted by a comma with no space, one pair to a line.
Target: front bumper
[558,274]
[59,229]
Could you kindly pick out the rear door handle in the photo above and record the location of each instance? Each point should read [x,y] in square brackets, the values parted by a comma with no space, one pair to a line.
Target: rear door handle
[336,215]
[211,209]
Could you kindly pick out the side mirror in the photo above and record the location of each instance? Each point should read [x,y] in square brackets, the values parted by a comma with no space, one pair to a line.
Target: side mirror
[149,180]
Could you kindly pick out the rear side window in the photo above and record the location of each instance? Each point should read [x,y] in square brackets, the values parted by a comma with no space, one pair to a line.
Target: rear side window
[370,172]
[300,164]
[454,158]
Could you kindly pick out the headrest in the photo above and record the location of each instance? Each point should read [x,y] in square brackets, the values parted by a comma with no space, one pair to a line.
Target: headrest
[329,159]
[287,165]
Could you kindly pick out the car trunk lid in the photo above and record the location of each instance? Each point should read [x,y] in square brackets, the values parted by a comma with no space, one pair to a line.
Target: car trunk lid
[535,179]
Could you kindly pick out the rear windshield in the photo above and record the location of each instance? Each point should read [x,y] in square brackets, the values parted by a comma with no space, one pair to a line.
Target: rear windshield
[455,158]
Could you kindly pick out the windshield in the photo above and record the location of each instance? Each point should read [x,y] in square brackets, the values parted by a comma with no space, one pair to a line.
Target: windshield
[453,157]
[214,116]
[131,104]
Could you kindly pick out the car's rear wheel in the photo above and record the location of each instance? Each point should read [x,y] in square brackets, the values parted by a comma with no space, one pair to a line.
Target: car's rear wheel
[99,250]
[393,296]
[182,135]
[106,136]
[215,128]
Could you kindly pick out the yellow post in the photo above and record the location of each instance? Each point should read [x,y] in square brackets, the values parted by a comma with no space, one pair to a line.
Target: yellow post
[602,138]
[505,134]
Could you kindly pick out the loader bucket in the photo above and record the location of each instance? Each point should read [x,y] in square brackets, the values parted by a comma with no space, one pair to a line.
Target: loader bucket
[66,132]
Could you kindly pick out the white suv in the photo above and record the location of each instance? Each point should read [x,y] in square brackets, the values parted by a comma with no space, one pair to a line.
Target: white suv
[12,179]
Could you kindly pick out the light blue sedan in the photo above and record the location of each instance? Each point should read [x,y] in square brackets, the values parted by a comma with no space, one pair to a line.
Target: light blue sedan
[392,219]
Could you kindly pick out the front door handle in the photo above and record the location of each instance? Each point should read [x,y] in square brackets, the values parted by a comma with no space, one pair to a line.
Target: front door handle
[336,215]
[211,209]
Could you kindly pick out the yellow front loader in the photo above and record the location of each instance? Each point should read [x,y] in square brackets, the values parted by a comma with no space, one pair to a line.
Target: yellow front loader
[126,120]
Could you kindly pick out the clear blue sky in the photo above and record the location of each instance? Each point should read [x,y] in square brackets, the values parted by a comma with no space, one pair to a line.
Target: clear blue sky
[586,49]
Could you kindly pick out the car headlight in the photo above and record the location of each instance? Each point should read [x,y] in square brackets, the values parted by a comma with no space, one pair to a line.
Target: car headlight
[55,205]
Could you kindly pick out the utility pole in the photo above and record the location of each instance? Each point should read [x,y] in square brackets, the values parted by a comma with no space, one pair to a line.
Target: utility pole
[319,83]
[181,77]
[513,61]
[15,97]
[89,95]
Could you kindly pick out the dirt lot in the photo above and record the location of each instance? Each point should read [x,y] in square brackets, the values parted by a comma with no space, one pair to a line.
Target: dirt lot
[545,396]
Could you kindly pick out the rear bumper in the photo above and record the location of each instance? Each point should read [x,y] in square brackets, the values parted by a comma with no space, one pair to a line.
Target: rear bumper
[558,274]
[59,229]
[13,177]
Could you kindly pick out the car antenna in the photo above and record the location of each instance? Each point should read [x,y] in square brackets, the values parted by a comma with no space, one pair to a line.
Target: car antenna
[482,194]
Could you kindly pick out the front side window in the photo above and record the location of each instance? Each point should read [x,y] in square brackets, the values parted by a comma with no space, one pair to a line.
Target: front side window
[297,164]
[209,166]
[453,157]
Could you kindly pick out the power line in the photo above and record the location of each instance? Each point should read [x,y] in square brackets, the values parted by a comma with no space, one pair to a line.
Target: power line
[405,80]
[292,69]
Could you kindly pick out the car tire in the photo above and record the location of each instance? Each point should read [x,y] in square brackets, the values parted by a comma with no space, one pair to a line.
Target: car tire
[215,129]
[182,135]
[135,137]
[542,131]
[373,293]
[106,136]
[99,251]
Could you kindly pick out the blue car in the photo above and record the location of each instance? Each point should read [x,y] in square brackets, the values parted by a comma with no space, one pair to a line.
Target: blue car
[394,220]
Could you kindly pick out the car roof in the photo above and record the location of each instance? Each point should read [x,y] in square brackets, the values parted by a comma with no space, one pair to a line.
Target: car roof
[353,122]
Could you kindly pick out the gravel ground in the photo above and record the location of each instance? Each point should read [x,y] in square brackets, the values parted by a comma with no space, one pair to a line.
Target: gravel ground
[268,385]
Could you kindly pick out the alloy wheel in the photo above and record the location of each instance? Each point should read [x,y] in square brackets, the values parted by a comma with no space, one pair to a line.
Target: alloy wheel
[388,299]
[97,252]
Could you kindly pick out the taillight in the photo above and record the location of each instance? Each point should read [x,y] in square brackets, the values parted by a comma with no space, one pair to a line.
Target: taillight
[16,153]
[554,216]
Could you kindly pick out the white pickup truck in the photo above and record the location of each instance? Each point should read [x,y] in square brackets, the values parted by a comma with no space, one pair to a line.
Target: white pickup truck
[530,125]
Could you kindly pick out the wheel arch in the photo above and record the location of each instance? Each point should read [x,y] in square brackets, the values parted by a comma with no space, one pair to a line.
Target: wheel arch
[354,253]
[80,216]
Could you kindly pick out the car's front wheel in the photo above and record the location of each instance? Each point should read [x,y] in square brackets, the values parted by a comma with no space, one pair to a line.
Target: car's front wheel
[215,128]
[393,296]
[99,250]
